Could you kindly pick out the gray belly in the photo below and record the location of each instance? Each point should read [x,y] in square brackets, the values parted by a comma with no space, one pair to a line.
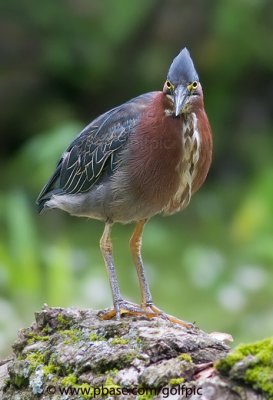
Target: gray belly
[105,202]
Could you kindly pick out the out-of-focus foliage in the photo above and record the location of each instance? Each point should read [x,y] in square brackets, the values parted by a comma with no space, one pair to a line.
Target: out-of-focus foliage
[63,63]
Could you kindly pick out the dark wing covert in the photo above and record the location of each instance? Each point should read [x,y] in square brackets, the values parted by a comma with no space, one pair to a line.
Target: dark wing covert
[95,148]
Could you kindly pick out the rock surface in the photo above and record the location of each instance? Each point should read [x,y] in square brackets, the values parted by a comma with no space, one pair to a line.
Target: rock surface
[72,354]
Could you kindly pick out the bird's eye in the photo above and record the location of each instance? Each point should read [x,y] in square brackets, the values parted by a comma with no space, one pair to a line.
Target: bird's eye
[194,85]
[169,85]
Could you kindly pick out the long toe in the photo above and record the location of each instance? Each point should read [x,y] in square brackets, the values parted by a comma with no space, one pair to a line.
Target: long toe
[150,308]
[125,308]
[106,314]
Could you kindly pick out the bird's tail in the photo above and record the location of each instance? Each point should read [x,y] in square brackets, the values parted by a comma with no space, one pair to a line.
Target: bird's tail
[44,201]
[50,188]
[41,205]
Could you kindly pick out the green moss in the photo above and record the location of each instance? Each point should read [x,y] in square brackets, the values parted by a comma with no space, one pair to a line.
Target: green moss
[69,380]
[85,390]
[19,381]
[259,371]
[109,383]
[93,337]
[148,396]
[149,393]
[115,365]
[63,321]
[46,330]
[35,359]
[73,335]
[185,357]
[37,338]
[112,372]
[128,358]
[51,369]
[118,340]
[261,378]
[176,381]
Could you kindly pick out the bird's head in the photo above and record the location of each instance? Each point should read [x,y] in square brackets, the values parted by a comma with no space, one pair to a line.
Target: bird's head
[182,85]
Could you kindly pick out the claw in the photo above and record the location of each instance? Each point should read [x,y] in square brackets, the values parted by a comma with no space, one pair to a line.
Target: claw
[157,312]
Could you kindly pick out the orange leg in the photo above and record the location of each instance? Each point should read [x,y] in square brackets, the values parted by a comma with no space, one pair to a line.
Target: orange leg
[146,298]
[121,306]
[135,246]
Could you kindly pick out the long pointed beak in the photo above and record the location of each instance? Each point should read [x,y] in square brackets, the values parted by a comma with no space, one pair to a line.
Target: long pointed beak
[180,96]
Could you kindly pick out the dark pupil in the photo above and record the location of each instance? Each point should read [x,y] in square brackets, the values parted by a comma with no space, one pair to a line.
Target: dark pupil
[194,85]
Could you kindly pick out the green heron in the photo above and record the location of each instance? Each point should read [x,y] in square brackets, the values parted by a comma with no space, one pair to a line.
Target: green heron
[142,158]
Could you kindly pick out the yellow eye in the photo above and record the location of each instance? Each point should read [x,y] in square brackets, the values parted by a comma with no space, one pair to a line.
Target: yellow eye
[169,85]
[192,86]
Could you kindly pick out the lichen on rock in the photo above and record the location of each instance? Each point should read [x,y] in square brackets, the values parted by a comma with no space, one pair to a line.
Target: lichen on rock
[70,353]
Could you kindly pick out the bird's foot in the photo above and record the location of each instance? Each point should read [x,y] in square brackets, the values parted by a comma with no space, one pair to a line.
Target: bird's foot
[156,312]
[125,308]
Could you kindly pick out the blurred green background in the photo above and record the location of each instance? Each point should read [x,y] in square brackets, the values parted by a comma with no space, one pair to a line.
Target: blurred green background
[63,63]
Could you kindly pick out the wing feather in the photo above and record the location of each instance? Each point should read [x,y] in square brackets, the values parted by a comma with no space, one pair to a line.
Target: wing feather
[95,151]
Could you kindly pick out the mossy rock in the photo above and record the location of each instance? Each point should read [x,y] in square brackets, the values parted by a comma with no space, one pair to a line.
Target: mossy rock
[75,348]
[251,364]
